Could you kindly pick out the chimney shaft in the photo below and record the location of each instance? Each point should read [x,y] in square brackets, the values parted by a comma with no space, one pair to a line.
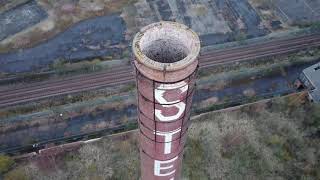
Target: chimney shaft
[165,58]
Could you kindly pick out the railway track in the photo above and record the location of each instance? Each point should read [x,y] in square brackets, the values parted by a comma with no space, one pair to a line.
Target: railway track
[121,75]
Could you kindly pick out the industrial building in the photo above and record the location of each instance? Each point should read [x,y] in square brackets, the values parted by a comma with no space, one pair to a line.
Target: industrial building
[310,78]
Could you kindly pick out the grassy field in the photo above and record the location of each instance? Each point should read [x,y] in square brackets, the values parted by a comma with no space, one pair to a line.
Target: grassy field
[275,140]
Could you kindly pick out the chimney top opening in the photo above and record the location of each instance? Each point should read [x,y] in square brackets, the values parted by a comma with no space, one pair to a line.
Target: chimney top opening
[165,50]
[168,45]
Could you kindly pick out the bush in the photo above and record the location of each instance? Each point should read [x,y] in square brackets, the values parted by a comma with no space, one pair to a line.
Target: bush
[241,38]
[5,163]
[315,27]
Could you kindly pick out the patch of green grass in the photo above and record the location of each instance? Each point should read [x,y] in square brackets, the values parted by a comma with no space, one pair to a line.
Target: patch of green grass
[6,163]
[280,148]
[17,174]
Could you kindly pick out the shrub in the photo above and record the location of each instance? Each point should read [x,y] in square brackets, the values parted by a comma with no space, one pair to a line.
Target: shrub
[315,27]
[241,38]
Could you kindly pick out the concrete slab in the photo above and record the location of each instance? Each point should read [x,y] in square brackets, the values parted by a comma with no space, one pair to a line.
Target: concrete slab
[216,21]
[242,17]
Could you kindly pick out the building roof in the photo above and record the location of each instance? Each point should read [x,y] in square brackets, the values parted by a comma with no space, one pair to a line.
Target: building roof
[312,73]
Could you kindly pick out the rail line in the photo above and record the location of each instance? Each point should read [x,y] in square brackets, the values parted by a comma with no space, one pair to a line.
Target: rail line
[266,44]
[257,49]
[121,75]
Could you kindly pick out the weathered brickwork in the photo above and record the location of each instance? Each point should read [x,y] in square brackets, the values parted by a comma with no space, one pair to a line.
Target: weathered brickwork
[166,65]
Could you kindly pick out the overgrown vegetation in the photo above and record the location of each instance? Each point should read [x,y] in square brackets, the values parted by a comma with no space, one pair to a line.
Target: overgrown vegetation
[278,140]
[63,67]
[241,37]
[5,163]
[17,174]
[112,158]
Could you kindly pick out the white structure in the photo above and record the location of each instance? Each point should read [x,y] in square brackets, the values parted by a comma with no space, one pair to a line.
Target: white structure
[310,78]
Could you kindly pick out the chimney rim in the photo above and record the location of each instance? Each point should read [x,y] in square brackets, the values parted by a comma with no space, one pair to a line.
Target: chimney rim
[192,55]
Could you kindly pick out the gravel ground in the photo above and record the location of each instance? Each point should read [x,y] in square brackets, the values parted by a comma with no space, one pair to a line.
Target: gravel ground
[90,38]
